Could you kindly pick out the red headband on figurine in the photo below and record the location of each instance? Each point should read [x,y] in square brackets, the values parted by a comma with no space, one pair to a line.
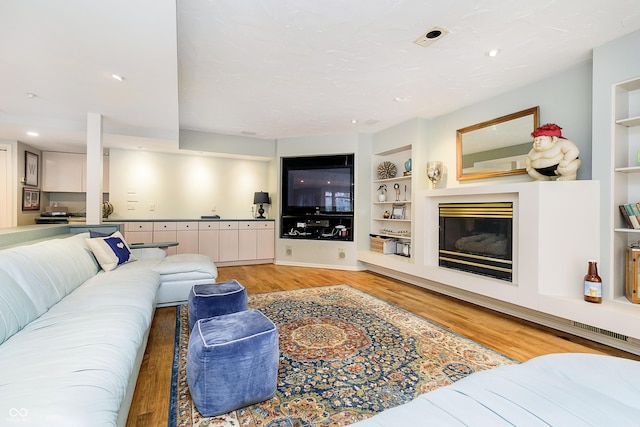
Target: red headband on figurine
[550,129]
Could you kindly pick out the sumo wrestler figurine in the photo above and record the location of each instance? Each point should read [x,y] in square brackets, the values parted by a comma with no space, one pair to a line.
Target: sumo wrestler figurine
[552,155]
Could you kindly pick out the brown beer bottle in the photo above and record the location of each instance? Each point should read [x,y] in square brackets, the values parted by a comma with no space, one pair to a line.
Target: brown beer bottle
[593,284]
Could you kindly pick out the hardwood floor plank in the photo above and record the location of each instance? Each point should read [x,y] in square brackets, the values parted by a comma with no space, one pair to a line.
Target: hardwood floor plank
[518,339]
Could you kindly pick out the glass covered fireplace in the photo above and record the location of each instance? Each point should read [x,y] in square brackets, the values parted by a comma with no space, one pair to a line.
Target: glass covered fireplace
[477,238]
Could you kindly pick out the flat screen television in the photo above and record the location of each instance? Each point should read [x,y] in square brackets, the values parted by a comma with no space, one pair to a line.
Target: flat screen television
[318,185]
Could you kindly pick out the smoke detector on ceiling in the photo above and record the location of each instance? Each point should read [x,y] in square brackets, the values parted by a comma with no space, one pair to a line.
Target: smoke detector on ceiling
[431,36]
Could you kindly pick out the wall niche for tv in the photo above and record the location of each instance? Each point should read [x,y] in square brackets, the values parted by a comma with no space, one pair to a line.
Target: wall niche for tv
[317,197]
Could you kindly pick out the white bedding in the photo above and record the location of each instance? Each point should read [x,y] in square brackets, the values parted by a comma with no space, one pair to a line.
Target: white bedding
[566,389]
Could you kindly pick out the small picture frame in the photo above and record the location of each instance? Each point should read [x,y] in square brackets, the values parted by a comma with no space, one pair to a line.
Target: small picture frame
[31,166]
[30,199]
[397,211]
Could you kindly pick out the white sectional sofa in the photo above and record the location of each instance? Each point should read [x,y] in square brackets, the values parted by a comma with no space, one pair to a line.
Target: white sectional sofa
[567,389]
[72,336]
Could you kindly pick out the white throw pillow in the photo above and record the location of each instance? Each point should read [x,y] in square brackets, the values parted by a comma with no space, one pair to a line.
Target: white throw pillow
[111,251]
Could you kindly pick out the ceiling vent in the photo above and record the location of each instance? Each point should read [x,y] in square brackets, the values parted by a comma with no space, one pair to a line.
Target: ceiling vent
[431,36]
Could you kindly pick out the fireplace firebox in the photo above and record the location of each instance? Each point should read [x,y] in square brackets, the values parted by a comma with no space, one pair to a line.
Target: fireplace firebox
[477,238]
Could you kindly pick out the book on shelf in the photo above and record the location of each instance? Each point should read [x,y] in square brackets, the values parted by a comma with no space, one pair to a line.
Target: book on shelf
[625,216]
[629,216]
[636,210]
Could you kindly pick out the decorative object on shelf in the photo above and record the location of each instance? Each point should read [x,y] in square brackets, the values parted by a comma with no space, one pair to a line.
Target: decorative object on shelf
[31,165]
[434,172]
[401,233]
[407,167]
[397,211]
[107,209]
[386,215]
[261,198]
[403,249]
[593,284]
[387,170]
[30,199]
[396,187]
[631,275]
[382,197]
[553,156]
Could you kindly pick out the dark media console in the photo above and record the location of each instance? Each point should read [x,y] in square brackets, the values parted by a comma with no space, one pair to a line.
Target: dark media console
[318,227]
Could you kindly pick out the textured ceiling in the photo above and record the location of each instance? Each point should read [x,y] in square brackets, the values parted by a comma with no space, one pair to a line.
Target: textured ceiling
[276,68]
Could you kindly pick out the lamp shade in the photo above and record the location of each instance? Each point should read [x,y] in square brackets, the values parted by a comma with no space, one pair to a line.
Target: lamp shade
[260,197]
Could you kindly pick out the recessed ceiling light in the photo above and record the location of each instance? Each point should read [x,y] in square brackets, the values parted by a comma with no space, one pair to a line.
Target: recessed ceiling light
[32,133]
[31,95]
[118,77]
[493,52]
[354,121]
[402,98]
[248,133]
[431,36]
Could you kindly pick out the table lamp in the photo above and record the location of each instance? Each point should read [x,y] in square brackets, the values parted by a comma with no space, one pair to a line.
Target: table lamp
[260,198]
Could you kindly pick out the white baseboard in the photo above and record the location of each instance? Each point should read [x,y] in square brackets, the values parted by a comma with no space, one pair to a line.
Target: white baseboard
[328,266]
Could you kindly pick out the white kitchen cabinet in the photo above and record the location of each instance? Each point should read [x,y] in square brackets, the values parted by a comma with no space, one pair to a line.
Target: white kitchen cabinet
[256,240]
[187,237]
[208,239]
[265,240]
[63,172]
[67,172]
[228,241]
[138,232]
[247,240]
[166,232]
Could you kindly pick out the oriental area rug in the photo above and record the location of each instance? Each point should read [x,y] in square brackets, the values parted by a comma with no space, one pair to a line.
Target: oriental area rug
[344,356]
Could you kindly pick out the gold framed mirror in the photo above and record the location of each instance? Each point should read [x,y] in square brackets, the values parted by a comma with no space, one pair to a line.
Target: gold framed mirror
[497,147]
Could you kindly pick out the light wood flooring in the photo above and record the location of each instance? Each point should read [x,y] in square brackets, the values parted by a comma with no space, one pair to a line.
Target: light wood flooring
[512,337]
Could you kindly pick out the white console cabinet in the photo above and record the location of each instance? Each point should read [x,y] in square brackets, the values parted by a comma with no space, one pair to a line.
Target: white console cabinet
[225,242]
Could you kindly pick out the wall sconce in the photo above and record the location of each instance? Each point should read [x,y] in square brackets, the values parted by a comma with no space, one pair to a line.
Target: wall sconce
[260,198]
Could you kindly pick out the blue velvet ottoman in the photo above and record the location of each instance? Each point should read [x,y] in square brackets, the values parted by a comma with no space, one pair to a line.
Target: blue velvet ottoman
[232,361]
[216,299]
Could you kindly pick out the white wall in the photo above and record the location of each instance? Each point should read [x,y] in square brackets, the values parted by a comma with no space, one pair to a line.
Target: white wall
[564,99]
[184,186]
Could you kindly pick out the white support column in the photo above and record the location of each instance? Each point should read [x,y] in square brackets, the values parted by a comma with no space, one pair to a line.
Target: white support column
[94,168]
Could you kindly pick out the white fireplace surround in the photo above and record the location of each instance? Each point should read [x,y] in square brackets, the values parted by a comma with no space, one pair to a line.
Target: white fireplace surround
[551,239]
[555,234]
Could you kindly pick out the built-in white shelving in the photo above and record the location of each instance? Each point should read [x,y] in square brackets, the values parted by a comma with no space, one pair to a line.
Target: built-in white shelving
[399,224]
[625,177]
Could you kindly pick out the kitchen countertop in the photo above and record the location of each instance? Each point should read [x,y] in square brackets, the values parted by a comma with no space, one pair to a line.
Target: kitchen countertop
[185,220]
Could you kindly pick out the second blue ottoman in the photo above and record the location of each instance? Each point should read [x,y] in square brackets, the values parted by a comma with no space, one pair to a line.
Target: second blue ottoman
[232,362]
[216,299]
